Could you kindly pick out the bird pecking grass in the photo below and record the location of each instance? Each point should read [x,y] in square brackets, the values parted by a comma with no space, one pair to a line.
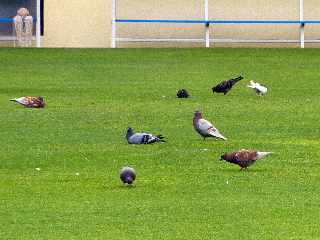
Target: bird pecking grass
[59,166]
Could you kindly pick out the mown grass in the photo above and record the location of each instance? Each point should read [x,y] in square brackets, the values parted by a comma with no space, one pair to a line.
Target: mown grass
[182,190]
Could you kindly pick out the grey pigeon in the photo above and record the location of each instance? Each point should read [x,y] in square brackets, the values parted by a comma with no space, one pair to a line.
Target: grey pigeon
[244,158]
[127,175]
[205,128]
[142,138]
[225,86]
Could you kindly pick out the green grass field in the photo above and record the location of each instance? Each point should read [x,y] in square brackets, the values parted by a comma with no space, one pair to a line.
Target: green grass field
[181,191]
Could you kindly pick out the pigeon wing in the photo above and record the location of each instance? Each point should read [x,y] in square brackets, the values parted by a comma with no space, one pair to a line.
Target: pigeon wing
[245,158]
[262,89]
[203,126]
[246,155]
[143,138]
[206,128]
[136,138]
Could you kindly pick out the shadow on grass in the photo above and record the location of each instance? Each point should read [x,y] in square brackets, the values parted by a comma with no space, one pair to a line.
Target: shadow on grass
[120,187]
[237,170]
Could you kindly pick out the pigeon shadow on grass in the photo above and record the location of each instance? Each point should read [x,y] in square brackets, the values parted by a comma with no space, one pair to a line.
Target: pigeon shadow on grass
[120,187]
[237,170]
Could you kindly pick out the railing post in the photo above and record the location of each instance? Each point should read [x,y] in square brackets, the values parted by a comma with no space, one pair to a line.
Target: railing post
[38,25]
[301,24]
[114,27]
[207,25]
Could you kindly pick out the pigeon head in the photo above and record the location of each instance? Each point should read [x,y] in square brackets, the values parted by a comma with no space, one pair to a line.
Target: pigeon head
[129,132]
[197,114]
[213,89]
[41,101]
[196,117]
[223,157]
[229,157]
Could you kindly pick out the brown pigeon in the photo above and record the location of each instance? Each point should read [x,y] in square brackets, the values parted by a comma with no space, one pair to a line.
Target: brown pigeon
[225,86]
[30,102]
[244,158]
[205,128]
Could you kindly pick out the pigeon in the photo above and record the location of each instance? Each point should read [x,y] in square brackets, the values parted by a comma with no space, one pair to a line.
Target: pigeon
[127,175]
[225,86]
[259,88]
[30,102]
[182,93]
[205,128]
[142,138]
[244,158]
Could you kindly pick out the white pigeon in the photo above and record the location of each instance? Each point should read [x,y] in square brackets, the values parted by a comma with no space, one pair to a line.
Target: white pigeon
[205,128]
[259,88]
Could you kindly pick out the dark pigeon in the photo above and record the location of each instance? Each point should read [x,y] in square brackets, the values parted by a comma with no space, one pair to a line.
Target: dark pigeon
[244,158]
[142,138]
[127,175]
[183,93]
[30,102]
[225,86]
[205,128]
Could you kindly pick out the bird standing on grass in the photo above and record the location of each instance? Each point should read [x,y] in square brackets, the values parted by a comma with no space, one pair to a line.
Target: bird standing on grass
[205,128]
[244,158]
[142,138]
[225,86]
[183,93]
[258,88]
[30,102]
[127,175]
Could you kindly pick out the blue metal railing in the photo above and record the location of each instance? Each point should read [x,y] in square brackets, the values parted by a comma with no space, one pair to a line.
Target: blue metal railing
[218,21]
[6,20]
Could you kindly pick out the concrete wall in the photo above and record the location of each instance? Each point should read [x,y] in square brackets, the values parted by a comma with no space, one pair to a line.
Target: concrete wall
[81,23]
[77,23]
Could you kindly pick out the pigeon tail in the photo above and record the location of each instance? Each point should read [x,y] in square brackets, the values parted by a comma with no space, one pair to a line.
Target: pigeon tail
[217,135]
[160,137]
[263,154]
[21,100]
[237,79]
[220,136]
